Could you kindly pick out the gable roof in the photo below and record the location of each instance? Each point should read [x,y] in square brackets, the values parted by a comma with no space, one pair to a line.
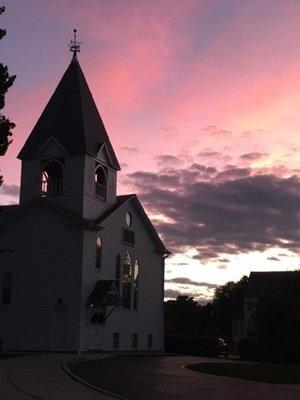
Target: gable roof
[6,217]
[124,199]
[262,283]
[72,118]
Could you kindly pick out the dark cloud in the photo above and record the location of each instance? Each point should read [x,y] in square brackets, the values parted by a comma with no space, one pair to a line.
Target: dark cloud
[209,154]
[187,281]
[167,159]
[232,212]
[10,190]
[199,297]
[273,258]
[133,150]
[252,156]
[213,130]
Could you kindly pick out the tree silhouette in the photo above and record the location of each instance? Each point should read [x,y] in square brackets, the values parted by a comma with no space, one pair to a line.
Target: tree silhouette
[6,81]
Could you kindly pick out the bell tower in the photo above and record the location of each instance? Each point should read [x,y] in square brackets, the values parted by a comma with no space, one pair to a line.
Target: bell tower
[68,158]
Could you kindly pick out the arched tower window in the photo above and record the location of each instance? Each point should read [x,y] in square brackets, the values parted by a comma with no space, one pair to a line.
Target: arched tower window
[135,285]
[52,179]
[98,252]
[6,288]
[101,182]
[126,280]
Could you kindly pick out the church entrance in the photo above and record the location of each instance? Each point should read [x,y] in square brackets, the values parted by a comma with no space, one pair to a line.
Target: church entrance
[95,339]
[59,329]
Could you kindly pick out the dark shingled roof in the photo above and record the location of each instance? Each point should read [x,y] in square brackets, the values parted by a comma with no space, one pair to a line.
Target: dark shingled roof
[71,116]
[266,283]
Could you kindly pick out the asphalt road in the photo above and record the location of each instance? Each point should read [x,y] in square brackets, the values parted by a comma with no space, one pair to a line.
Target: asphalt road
[165,378]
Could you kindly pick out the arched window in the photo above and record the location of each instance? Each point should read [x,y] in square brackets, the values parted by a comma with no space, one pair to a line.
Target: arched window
[52,179]
[126,280]
[135,285]
[101,182]
[98,252]
[6,288]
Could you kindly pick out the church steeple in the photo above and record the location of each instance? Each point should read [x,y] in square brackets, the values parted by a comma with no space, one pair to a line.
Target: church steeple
[68,157]
[71,117]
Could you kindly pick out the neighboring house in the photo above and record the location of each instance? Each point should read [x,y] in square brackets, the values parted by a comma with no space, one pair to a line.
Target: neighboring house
[262,285]
[84,268]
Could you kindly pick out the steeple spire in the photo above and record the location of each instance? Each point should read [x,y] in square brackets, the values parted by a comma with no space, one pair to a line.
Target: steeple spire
[74,45]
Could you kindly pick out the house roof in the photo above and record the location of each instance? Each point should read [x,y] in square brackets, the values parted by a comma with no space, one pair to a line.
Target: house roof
[121,200]
[104,293]
[17,210]
[261,283]
[72,118]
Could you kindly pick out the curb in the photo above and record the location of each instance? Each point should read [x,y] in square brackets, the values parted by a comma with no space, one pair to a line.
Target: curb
[66,368]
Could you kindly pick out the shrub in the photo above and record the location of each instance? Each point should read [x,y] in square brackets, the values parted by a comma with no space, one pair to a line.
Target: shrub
[193,345]
[270,350]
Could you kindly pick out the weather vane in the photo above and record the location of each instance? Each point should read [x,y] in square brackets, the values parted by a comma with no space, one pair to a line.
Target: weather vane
[74,45]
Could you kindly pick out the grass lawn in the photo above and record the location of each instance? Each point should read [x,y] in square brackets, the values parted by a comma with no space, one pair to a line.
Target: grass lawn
[253,372]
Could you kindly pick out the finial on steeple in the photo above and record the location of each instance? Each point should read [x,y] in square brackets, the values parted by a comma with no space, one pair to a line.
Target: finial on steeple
[74,46]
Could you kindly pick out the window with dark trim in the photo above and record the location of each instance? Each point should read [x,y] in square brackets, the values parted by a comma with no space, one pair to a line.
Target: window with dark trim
[134,341]
[116,340]
[6,288]
[98,252]
[128,237]
[126,281]
[135,285]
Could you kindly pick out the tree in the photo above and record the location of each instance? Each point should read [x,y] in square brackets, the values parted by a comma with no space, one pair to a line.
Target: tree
[228,303]
[184,316]
[6,81]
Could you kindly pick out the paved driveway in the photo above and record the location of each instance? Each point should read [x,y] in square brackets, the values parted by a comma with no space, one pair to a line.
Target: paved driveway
[165,378]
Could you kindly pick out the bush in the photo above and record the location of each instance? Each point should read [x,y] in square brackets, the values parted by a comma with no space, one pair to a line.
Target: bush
[270,350]
[192,345]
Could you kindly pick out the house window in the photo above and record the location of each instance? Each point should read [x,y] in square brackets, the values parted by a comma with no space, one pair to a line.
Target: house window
[7,288]
[52,179]
[134,341]
[126,281]
[135,285]
[128,219]
[98,252]
[150,341]
[101,182]
[128,237]
[116,340]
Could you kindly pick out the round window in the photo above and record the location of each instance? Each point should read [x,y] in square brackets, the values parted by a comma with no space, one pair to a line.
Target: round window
[128,219]
[99,241]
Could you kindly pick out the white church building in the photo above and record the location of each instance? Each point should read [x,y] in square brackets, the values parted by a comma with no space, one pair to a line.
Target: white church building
[81,268]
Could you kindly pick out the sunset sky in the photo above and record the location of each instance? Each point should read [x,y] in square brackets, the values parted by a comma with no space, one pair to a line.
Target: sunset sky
[201,100]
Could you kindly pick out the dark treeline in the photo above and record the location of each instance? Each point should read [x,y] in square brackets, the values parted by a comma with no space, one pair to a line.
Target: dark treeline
[277,315]
[184,316]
